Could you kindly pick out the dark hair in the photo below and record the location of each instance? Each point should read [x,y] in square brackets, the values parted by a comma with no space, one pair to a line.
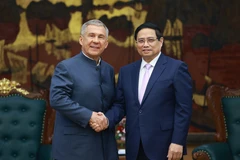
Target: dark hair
[151,26]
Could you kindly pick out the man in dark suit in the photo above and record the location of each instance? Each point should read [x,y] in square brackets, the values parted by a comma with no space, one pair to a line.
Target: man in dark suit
[157,118]
[81,87]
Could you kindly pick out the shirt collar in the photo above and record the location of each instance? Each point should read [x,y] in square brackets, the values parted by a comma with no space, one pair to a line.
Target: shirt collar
[98,63]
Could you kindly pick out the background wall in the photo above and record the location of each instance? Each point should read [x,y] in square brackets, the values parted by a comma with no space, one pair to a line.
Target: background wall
[36,34]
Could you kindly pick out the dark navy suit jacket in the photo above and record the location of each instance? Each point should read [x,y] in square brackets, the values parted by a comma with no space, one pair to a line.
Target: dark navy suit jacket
[165,112]
[79,87]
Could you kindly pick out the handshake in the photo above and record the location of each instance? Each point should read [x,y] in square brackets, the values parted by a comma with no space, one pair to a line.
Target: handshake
[98,121]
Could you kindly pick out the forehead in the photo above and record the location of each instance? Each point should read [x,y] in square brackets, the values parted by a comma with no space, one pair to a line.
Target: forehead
[146,32]
[95,29]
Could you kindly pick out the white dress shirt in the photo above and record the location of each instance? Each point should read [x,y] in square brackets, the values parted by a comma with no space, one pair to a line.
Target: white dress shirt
[142,70]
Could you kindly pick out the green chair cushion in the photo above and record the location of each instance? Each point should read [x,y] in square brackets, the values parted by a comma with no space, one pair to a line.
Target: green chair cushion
[21,126]
[45,152]
[215,151]
[231,110]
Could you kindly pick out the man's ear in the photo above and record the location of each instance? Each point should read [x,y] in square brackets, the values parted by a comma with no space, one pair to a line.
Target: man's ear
[80,40]
[161,39]
[106,44]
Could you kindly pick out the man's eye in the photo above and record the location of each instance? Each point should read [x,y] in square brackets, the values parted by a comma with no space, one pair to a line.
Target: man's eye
[140,41]
[151,40]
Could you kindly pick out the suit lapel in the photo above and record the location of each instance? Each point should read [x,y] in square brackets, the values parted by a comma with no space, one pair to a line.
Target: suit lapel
[135,77]
[158,69]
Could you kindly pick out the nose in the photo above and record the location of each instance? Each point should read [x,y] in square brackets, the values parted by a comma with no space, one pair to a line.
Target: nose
[96,39]
[145,43]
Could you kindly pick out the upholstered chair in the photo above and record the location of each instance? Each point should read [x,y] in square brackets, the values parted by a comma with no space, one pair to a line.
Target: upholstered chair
[22,119]
[224,104]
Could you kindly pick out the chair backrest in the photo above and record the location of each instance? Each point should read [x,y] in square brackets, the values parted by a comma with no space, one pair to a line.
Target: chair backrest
[214,96]
[231,110]
[22,116]
[49,120]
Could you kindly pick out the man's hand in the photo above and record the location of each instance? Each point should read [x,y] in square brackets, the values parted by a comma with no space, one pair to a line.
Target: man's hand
[175,152]
[98,121]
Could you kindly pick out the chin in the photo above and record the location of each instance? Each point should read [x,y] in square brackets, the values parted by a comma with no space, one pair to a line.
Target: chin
[147,54]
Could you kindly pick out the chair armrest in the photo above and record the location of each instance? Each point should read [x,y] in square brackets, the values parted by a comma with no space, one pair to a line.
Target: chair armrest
[44,152]
[213,151]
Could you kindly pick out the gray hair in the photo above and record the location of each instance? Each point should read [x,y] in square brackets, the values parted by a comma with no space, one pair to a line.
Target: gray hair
[94,22]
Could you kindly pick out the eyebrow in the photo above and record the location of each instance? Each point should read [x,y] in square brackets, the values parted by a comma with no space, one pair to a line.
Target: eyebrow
[147,38]
[96,34]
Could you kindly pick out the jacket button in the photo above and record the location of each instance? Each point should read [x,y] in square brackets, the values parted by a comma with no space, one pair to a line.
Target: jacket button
[140,111]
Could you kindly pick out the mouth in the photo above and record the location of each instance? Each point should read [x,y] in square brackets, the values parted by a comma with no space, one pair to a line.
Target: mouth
[146,50]
[94,47]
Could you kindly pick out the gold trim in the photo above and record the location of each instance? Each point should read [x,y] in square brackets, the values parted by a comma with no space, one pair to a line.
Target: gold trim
[6,86]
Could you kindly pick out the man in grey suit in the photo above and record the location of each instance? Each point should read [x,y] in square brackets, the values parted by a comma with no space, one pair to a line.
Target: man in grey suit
[81,88]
